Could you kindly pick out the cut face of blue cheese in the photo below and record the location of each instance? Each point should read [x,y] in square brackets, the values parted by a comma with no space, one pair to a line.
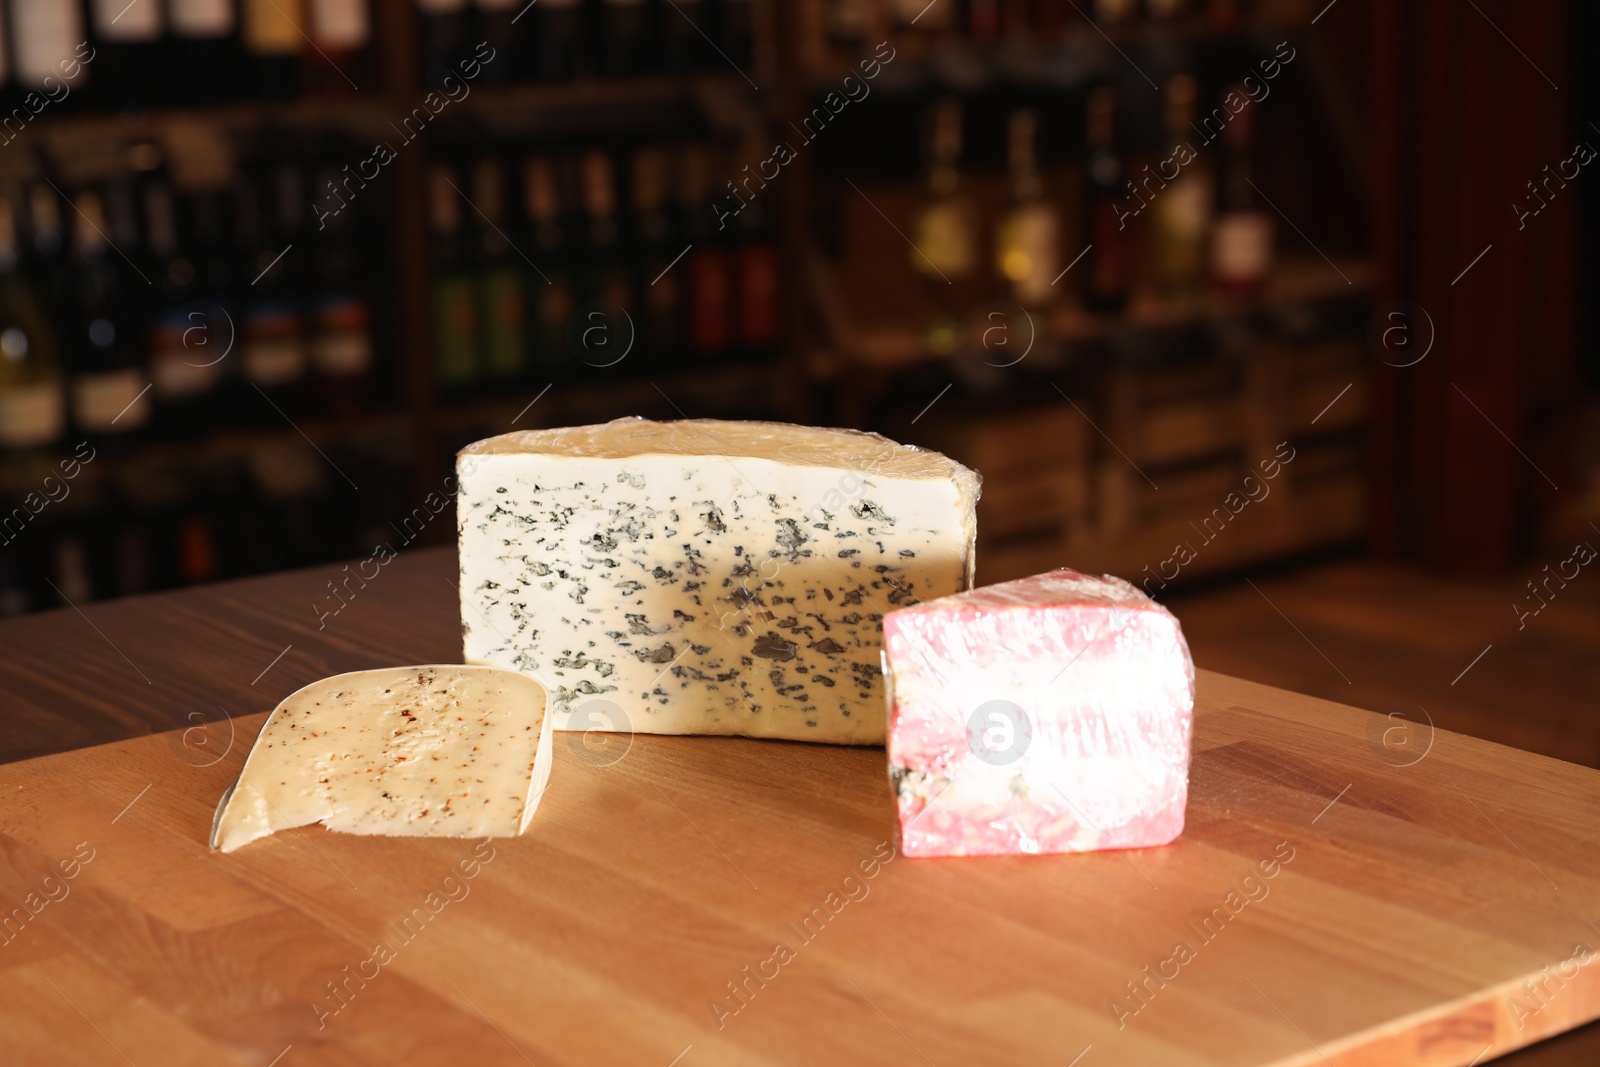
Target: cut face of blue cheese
[705,577]
[433,751]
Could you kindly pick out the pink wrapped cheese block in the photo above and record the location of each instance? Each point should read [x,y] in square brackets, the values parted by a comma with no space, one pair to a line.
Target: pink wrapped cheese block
[1049,714]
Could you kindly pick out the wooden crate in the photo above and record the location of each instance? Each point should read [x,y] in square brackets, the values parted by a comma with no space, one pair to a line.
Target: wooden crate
[1327,387]
[1148,497]
[1048,504]
[1035,473]
[1330,482]
[1132,502]
[1172,415]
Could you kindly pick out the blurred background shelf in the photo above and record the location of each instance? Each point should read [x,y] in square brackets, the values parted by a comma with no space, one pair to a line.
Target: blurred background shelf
[1294,284]
[602,184]
[847,212]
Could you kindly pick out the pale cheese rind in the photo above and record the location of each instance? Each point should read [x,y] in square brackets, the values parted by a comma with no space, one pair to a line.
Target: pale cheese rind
[705,577]
[427,751]
[1049,714]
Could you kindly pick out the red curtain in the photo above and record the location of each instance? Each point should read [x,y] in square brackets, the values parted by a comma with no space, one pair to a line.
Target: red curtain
[1472,101]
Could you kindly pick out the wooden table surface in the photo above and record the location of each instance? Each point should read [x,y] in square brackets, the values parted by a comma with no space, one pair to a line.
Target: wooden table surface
[699,901]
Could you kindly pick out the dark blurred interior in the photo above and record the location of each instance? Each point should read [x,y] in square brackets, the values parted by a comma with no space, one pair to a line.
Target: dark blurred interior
[1271,306]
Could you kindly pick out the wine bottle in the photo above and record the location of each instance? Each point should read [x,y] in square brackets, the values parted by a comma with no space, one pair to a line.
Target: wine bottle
[46,262]
[455,311]
[185,378]
[144,171]
[197,548]
[983,20]
[757,300]
[552,289]
[706,267]
[295,503]
[1028,241]
[1223,15]
[272,343]
[207,60]
[1105,264]
[212,328]
[248,238]
[125,237]
[1181,208]
[232,517]
[624,37]
[1115,12]
[341,60]
[736,31]
[1049,19]
[606,332]
[51,51]
[442,31]
[845,23]
[11,94]
[657,242]
[340,316]
[132,558]
[129,42]
[560,36]
[920,26]
[274,33]
[32,396]
[500,24]
[685,28]
[944,233]
[16,596]
[74,576]
[110,394]
[1241,243]
[500,282]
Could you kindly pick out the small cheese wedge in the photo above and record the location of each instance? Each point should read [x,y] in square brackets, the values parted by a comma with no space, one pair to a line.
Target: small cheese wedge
[430,751]
[1048,714]
[705,577]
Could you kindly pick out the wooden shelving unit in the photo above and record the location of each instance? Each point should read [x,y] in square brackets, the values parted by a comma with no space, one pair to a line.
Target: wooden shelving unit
[584,106]
[1164,474]
[414,429]
[1057,490]
[874,347]
[1119,436]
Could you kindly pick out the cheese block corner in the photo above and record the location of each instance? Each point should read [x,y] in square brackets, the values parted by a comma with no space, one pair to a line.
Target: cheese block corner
[705,576]
[1049,714]
[426,751]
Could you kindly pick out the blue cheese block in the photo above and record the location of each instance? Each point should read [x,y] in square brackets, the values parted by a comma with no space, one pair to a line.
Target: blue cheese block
[705,577]
[431,751]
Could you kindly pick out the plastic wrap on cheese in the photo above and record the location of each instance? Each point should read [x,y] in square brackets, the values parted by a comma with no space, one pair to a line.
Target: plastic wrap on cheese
[429,751]
[704,576]
[1049,714]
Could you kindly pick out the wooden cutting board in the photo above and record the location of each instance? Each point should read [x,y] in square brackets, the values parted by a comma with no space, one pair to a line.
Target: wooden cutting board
[699,901]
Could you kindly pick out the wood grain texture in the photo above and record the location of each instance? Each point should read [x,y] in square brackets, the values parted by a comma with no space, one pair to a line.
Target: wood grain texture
[1395,640]
[145,664]
[1418,901]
